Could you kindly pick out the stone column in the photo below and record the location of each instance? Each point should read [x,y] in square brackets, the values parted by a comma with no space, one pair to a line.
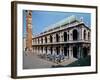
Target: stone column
[69,52]
[40,40]
[48,51]
[86,35]
[37,41]
[44,52]
[82,34]
[43,40]
[70,35]
[48,39]
[60,34]
[40,51]
[60,50]
[37,50]
[54,50]
[79,52]
[54,38]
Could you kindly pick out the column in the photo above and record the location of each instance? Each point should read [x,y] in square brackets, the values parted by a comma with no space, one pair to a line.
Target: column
[40,40]
[48,50]
[86,35]
[60,34]
[79,51]
[82,34]
[70,35]
[54,52]
[54,38]
[40,50]
[44,52]
[48,39]
[70,52]
[43,40]
[37,41]
[60,50]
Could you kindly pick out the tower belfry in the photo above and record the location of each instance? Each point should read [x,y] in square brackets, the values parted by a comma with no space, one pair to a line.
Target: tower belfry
[29,30]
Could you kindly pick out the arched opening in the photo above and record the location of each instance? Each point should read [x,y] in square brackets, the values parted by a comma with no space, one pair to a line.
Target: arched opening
[57,50]
[84,34]
[45,39]
[57,38]
[66,51]
[51,50]
[85,52]
[75,35]
[65,36]
[42,49]
[88,35]
[46,50]
[75,52]
[50,38]
[41,40]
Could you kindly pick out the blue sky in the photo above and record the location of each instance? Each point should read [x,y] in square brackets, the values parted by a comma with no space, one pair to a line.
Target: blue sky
[42,19]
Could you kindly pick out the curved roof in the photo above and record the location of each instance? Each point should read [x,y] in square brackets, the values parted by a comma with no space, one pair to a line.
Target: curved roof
[62,22]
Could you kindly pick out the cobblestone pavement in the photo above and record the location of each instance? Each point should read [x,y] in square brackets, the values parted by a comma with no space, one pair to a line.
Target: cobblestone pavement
[32,61]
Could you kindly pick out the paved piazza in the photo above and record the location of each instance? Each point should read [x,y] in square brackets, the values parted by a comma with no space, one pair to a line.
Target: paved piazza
[33,61]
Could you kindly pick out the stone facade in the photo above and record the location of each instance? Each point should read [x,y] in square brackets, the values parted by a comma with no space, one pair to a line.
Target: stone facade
[70,39]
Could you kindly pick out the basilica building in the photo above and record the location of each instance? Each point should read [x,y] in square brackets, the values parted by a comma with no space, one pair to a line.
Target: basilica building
[70,37]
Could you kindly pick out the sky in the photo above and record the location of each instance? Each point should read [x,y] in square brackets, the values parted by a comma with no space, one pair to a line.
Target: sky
[42,19]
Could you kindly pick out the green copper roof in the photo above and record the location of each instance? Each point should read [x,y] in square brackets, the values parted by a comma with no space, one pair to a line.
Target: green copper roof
[66,20]
[62,22]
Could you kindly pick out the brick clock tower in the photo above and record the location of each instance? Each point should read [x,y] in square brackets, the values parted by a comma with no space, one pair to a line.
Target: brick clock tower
[28,30]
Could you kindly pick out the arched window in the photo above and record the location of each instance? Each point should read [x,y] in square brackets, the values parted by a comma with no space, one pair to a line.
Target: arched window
[88,35]
[84,34]
[45,39]
[50,38]
[75,35]
[57,38]
[65,36]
